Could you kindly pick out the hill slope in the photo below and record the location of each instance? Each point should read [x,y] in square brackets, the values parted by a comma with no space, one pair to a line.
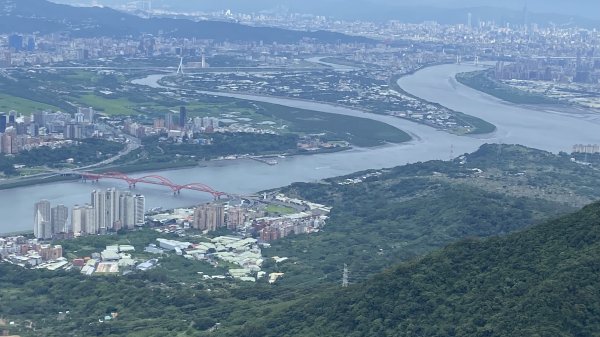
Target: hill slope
[28,16]
[540,282]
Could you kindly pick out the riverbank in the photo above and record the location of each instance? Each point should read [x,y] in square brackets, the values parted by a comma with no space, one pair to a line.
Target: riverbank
[481,81]
[480,126]
[516,125]
[25,182]
[157,167]
[477,126]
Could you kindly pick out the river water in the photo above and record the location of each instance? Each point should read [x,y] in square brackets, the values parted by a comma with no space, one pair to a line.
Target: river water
[548,130]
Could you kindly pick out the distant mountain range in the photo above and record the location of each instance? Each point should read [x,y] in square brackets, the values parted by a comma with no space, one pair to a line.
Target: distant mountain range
[28,16]
[583,12]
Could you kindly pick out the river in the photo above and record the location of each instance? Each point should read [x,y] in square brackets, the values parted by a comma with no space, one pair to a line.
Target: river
[541,129]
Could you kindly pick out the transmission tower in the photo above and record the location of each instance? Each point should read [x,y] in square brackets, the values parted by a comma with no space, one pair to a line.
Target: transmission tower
[345,276]
[180,68]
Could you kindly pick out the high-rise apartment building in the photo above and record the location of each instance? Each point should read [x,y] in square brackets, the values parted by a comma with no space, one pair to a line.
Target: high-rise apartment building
[209,217]
[126,211]
[58,219]
[42,220]
[139,202]
[88,114]
[114,210]
[77,220]
[169,121]
[235,217]
[111,210]
[97,203]
[182,117]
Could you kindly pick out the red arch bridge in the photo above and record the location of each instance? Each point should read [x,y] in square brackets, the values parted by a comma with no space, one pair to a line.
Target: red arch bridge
[153,180]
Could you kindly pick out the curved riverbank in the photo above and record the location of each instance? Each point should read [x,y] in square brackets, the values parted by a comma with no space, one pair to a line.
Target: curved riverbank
[538,129]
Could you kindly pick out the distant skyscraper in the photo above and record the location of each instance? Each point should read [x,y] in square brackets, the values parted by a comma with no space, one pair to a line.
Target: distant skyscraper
[12,117]
[31,44]
[15,42]
[526,17]
[79,117]
[470,20]
[3,122]
[182,117]
[88,114]
[58,219]
[42,216]
[169,121]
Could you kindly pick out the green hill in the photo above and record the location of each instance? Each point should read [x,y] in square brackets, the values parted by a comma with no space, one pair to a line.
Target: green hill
[543,281]
[541,278]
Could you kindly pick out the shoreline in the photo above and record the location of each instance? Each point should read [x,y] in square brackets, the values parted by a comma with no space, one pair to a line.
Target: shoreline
[559,107]
[159,167]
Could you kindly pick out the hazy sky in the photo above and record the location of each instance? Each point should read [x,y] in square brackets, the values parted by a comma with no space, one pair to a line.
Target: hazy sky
[354,8]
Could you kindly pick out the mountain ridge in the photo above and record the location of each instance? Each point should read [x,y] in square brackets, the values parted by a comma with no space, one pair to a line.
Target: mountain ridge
[410,11]
[29,16]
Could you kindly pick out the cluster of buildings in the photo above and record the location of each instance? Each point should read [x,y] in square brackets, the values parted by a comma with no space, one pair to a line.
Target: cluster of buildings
[25,50]
[44,128]
[174,125]
[108,211]
[244,253]
[112,260]
[181,126]
[569,69]
[25,252]
[250,219]
[588,149]
[310,220]
[213,216]
[364,89]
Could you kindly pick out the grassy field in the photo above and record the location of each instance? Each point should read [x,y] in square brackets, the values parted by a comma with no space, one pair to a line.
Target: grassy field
[278,209]
[119,106]
[22,105]
[357,131]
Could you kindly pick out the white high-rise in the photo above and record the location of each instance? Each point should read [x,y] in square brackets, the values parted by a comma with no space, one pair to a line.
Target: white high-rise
[83,220]
[114,210]
[126,210]
[77,220]
[91,227]
[111,210]
[140,209]
[42,216]
[98,205]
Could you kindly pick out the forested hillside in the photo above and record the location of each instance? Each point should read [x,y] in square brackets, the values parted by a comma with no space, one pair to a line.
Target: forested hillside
[540,282]
[380,219]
